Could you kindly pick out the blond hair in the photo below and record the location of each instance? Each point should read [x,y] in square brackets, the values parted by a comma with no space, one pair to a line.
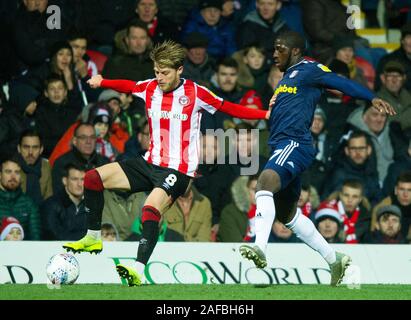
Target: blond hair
[168,54]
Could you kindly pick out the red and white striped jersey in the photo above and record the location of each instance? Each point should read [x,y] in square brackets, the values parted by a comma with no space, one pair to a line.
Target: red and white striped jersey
[174,120]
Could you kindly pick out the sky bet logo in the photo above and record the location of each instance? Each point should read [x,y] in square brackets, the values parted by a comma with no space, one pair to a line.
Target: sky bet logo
[284,89]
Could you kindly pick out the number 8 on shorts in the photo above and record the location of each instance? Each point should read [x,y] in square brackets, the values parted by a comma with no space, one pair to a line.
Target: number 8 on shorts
[171,179]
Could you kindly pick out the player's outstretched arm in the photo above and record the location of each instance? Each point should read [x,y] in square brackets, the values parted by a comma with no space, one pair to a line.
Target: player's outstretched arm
[239,111]
[356,90]
[124,86]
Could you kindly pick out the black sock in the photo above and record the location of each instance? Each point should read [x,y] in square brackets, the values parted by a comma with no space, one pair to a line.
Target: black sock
[148,241]
[94,203]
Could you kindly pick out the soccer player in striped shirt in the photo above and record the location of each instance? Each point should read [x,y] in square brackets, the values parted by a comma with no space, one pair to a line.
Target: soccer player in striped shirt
[173,106]
[293,105]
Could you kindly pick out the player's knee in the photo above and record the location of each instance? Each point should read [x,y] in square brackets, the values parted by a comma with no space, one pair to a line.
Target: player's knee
[92,181]
[269,180]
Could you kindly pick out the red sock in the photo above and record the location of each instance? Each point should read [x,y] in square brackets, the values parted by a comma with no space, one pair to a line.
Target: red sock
[150,214]
[92,181]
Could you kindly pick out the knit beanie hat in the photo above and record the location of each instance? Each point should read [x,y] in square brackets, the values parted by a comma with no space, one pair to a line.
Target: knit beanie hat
[326,210]
[8,223]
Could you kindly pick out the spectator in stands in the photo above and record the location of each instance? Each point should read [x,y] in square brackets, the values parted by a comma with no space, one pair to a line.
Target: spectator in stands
[137,145]
[253,69]
[401,165]
[35,172]
[84,66]
[199,65]
[344,51]
[176,10]
[281,234]
[190,216]
[209,182]
[401,55]
[252,100]
[241,159]
[374,123]
[54,114]
[121,209]
[109,232]
[235,10]
[132,112]
[353,208]
[328,222]
[31,36]
[159,27]
[83,153]
[336,105]
[262,26]
[304,204]
[323,21]
[8,56]
[100,20]
[11,229]
[401,197]
[388,227]
[111,101]
[13,202]
[237,218]
[102,123]
[324,145]
[393,91]
[274,77]
[207,20]
[224,85]
[131,60]
[357,163]
[118,134]
[61,65]
[63,215]
[17,116]
[245,153]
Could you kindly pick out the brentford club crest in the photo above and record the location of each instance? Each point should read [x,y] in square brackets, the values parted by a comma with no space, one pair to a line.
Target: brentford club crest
[184,100]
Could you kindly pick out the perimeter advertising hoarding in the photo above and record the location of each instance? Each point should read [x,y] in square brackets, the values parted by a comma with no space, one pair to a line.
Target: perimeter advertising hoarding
[209,263]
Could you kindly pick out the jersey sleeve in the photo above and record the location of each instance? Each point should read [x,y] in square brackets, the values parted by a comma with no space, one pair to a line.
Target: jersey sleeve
[207,100]
[126,86]
[328,79]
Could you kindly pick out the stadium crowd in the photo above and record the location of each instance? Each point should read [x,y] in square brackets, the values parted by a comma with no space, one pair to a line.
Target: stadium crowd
[54,127]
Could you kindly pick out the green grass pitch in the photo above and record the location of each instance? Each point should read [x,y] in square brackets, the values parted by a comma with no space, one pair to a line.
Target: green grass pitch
[202,292]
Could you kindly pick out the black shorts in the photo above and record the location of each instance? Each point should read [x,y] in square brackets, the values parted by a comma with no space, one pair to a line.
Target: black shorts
[144,176]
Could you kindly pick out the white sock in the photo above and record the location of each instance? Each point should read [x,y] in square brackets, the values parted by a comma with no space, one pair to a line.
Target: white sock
[95,234]
[264,217]
[306,231]
[139,268]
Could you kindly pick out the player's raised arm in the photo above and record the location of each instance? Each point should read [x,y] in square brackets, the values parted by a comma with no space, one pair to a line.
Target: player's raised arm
[124,86]
[355,90]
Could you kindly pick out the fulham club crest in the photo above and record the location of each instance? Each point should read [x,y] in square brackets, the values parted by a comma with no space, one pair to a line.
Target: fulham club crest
[293,74]
[184,100]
